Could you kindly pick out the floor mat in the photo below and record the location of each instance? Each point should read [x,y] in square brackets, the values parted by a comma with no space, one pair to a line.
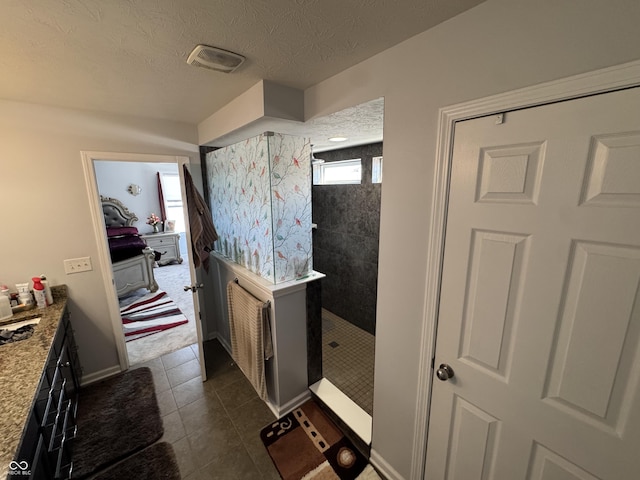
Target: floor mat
[116,417]
[307,444]
[156,462]
[153,313]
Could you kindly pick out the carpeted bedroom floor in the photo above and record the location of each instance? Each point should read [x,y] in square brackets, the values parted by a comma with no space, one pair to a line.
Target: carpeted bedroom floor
[171,278]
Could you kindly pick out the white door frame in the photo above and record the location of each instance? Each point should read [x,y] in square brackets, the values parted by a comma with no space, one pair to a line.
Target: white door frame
[600,81]
[103,249]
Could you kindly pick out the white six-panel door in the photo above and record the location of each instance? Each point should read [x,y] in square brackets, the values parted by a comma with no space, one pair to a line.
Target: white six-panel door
[540,304]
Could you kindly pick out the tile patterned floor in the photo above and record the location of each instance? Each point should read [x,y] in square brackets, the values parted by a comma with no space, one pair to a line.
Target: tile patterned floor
[213,426]
[348,359]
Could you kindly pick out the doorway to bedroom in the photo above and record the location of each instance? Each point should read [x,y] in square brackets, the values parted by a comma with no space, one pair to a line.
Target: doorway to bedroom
[154,322]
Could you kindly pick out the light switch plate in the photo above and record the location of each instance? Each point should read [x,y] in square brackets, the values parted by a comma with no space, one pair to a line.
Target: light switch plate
[77,265]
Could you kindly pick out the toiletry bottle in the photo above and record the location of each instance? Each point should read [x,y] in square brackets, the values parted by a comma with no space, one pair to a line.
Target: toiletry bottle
[5,307]
[38,292]
[47,290]
[25,299]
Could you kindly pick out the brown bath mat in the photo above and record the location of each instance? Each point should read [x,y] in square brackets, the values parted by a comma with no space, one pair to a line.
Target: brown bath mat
[157,462]
[116,417]
[306,443]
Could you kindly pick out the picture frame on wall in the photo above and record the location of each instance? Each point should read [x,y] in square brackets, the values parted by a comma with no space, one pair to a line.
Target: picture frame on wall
[170,226]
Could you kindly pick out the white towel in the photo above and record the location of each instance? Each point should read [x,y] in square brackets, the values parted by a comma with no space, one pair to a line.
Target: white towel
[251,342]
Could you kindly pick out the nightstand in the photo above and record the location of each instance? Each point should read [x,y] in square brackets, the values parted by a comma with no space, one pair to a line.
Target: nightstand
[165,243]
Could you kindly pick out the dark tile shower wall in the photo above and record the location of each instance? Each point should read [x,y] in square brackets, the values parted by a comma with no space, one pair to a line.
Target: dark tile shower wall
[345,244]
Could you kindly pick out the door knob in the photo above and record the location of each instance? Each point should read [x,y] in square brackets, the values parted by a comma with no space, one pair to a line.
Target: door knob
[193,288]
[445,372]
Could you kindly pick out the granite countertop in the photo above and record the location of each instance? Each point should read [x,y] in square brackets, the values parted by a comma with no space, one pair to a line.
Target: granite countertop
[21,366]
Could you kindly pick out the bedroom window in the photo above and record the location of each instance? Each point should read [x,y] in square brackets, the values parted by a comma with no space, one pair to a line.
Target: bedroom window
[376,170]
[336,173]
[173,199]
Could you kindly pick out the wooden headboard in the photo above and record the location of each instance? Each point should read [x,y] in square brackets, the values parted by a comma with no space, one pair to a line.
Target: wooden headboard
[116,214]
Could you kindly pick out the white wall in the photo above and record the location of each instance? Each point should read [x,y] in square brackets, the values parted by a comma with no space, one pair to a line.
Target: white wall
[114,177]
[498,46]
[45,213]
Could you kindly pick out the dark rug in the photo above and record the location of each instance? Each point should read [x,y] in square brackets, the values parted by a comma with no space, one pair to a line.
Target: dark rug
[157,462]
[306,443]
[116,417]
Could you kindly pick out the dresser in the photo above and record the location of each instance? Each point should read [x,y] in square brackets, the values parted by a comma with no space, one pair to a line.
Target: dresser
[165,243]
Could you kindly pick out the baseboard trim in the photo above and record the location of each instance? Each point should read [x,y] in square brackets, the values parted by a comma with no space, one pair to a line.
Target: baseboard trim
[290,405]
[381,465]
[221,339]
[212,336]
[225,344]
[278,411]
[100,375]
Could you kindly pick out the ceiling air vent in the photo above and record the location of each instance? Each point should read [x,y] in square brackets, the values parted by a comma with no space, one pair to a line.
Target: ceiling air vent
[214,58]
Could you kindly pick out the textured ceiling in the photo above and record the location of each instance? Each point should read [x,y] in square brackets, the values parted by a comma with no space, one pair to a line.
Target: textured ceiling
[129,56]
[361,125]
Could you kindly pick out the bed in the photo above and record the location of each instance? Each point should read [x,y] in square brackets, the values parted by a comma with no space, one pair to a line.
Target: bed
[131,258]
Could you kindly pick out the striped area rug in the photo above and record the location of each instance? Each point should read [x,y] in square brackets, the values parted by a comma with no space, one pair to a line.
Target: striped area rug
[152,313]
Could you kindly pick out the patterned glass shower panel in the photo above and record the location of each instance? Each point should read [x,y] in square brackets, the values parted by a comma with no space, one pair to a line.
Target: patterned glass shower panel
[260,194]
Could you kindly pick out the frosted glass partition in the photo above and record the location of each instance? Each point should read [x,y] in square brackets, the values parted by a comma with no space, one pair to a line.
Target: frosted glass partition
[260,194]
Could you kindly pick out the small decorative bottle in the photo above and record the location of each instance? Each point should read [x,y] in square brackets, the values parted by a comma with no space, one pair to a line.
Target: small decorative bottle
[47,290]
[38,292]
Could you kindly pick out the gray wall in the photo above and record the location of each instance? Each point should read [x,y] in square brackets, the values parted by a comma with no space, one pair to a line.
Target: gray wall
[53,200]
[498,46]
[113,178]
[345,244]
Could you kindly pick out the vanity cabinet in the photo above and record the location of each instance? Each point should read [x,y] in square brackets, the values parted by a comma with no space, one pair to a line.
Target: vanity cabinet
[51,424]
[167,244]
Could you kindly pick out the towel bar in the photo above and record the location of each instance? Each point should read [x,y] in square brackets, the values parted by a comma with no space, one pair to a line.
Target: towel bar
[266,304]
